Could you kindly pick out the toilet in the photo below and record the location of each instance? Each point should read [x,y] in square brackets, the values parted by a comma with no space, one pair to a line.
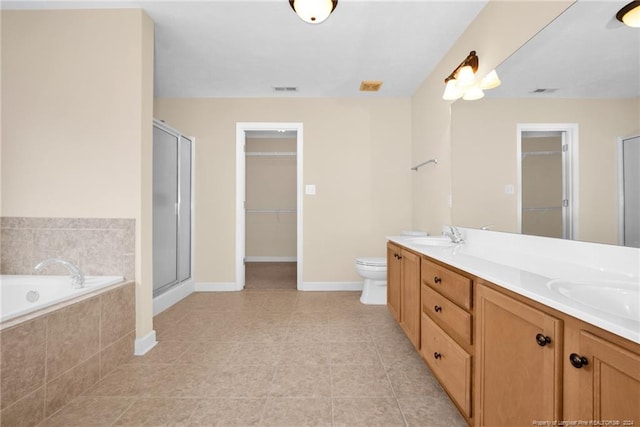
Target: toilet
[374,272]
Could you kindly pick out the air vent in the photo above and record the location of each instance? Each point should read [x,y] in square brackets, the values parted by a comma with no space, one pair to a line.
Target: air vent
[283,89]
[370,85]
[544,90]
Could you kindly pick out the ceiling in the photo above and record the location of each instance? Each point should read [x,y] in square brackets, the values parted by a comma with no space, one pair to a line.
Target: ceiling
[245,48]
[241,48]
[584,53]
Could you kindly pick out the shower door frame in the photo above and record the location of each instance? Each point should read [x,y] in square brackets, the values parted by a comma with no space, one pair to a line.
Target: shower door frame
[241,129]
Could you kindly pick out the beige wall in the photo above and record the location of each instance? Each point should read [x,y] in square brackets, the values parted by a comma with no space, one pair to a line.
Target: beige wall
[496,33]
[76,125]
[484,151]
[271,184]
[356,151]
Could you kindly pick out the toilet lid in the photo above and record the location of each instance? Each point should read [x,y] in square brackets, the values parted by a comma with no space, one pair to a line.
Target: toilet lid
[372,261]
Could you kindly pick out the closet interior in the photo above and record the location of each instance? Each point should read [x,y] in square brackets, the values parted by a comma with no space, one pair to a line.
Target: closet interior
[270,208]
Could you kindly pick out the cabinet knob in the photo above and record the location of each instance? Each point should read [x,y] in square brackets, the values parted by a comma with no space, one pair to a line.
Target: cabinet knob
[437,308]
[542,340]
[578,361]
[437,355]
[437,279]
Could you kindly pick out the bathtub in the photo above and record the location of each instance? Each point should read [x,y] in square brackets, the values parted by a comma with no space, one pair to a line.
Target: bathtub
[22,295]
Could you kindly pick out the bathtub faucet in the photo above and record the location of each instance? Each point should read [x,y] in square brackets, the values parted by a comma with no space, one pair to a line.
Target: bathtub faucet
[77,278]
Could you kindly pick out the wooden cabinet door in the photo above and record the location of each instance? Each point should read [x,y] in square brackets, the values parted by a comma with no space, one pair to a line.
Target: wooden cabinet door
[518,380]
[609,382]
[410,297]
[393,280]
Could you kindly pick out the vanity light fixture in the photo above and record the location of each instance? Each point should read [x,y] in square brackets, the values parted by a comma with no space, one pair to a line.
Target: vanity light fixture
[630,14]
[313,11]
[462,83]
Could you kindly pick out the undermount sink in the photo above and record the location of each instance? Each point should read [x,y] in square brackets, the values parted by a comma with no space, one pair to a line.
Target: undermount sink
[615,297]
[430,241]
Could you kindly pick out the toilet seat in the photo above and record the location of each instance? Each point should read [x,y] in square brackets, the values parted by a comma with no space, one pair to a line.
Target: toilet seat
[372,261]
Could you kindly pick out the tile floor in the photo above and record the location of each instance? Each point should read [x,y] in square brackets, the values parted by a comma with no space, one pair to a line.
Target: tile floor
[260,276]
[278,358]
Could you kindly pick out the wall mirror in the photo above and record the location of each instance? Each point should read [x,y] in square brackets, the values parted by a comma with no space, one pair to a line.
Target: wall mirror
[582,71]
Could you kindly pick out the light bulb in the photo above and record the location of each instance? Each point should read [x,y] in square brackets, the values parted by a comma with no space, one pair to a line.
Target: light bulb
[473,93]
[451,91]
[466,78]
[490,81]
[632,18]
[313,11]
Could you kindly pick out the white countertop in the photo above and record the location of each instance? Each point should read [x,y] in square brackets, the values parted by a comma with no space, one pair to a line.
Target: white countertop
[526,264]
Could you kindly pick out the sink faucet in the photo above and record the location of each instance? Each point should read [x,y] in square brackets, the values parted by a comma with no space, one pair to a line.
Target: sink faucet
[454,234]
[77,278]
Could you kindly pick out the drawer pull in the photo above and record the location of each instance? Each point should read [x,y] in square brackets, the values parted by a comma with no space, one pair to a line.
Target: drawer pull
[542,340]
[578,361]
[437,308]
[437,279]
[437,355]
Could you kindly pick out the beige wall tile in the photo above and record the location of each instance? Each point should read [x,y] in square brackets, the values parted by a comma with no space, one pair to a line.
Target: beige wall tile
[16,251]
[116,354]
[118,314]
[27,412]
[23,360]
[73,336]
[55,243]
[71,384]
[101,251]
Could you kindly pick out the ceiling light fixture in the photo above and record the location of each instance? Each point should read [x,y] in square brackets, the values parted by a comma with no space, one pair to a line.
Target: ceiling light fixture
[630,14]
[313,11]
[462,83]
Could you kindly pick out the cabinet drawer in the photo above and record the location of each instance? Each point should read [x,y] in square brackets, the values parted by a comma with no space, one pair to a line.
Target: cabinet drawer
[449,363]
[446,314]
[454,286]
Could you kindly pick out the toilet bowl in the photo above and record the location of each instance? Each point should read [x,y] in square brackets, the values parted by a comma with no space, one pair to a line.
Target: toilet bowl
[374,272]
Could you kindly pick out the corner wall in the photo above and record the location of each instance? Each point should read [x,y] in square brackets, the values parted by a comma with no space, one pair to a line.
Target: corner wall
[77,99]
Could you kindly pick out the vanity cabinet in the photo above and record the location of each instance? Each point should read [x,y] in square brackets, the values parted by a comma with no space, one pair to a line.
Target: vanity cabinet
[394,277]
[505,359]
[403,290]
[602,376]
[518,361]
[446,330]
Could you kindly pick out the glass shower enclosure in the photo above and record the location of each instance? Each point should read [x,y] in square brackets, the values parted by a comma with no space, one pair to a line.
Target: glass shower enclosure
[172,183]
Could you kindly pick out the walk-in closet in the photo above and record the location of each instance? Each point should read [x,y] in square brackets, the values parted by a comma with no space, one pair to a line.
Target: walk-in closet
[270,224]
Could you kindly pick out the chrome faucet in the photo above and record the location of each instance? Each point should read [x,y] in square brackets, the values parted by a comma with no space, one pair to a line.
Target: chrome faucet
[77,278]
[454,234]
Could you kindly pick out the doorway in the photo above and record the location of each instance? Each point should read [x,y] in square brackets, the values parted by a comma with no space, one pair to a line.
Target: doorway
[629,191]
[269,206]
[547,180]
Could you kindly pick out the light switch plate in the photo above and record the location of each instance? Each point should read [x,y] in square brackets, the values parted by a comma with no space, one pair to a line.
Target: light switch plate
[310,190]
[508,189]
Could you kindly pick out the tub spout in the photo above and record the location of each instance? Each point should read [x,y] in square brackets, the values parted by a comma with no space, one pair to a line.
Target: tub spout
[77,278]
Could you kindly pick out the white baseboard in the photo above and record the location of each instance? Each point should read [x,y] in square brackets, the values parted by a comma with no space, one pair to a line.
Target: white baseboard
[332,286]
[172,296]
[216,287]
[271,259]
[306,286]
[144,344]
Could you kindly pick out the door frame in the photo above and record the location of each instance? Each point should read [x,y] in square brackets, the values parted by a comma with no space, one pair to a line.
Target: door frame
[620,190]
[241,129]
[570,176]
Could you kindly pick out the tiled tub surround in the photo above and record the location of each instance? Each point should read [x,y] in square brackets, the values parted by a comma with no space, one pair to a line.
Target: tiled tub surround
[45,362]
[99,246]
